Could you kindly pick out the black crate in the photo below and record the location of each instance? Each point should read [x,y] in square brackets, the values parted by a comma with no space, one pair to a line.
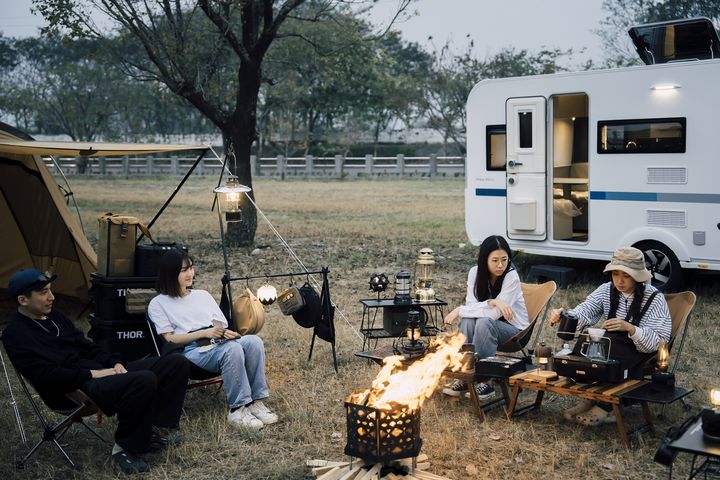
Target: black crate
[395,318]
[147,257]
[130,339]
[382,435]
[109,294]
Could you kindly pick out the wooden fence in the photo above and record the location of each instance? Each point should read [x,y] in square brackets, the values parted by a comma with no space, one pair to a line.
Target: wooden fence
[280,166]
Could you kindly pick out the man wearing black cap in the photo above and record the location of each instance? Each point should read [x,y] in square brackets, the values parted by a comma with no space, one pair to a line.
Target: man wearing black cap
[56,358]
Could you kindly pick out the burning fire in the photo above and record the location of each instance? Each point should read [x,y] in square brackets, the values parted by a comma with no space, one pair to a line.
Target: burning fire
[397,385]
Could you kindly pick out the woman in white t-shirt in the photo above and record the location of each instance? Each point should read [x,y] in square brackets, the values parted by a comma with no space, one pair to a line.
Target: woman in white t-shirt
[185,316]
[494,308]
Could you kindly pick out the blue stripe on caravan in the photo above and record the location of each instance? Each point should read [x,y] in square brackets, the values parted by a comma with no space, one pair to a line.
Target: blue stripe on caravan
[657,197]
[490,192]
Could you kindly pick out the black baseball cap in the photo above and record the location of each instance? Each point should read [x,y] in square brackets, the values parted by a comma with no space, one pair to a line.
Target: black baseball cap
[29,279]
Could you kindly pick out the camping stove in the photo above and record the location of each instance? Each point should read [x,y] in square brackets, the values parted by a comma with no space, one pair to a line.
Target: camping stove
[382,435]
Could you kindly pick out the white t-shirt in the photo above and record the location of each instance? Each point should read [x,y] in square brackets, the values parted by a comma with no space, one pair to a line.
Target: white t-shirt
[194,311]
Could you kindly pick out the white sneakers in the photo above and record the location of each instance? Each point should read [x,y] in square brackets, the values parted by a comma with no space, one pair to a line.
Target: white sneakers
[255,416]
[243,418]
[262,413]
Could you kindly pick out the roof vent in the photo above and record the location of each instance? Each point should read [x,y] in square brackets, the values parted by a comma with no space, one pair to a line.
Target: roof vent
[676,41]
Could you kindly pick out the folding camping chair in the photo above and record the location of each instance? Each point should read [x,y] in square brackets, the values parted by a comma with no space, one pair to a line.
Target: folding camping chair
[199,376]
[84,407]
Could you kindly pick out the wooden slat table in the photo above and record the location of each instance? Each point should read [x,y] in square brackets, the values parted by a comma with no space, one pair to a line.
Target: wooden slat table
[609,393]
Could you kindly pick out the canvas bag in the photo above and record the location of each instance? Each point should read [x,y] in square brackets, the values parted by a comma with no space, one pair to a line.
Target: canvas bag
[309,314]
[290,301]
[116,244]
[248,313]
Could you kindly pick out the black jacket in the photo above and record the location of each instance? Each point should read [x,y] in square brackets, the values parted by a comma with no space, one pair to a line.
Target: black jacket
[54,362]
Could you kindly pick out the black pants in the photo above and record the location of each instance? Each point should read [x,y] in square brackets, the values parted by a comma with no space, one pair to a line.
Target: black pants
[151,393]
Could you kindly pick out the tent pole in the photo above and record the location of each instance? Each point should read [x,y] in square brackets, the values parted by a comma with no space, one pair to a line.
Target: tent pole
[172,195]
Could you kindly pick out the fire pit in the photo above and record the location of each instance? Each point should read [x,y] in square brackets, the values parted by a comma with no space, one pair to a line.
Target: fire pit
[382,435]
[383,422]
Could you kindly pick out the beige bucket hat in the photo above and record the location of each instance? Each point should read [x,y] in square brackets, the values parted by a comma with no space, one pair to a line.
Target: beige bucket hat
[631,261]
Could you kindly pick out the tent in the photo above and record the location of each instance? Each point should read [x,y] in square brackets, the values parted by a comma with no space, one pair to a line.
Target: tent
[37,229]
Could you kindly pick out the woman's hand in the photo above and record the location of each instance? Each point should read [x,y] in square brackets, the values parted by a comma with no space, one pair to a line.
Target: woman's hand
[505,309]
[555,315]
[617,325]
[214,332]
[230,334]
[119,368]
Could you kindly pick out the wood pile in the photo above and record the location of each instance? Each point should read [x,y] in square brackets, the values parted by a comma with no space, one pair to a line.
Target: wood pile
[327,470]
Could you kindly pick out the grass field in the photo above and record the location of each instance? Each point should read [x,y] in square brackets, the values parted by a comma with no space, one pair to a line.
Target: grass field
[356,228]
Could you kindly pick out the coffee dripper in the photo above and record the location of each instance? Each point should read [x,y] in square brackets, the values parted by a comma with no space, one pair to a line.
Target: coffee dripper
[597,348]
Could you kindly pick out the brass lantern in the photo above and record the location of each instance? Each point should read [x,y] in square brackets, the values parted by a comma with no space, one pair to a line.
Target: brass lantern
[424,266]
[229,196]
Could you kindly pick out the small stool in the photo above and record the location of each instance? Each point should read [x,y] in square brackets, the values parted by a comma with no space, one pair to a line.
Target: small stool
[562,275]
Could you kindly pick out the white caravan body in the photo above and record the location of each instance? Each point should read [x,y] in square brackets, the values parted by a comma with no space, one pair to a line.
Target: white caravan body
[578,164]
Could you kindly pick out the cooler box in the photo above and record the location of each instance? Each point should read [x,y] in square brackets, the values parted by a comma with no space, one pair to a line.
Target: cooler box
[117,299]
[131,338]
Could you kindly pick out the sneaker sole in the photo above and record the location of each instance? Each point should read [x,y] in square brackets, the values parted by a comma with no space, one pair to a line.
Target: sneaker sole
[450,393]
[481,397]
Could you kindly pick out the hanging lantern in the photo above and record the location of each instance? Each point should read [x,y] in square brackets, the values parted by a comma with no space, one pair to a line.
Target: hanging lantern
[267,294]
[424,266]
[402,288]
[229,198]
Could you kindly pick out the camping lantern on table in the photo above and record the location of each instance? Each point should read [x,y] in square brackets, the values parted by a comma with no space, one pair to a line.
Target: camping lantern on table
[661,378]
[229,198]
[711,417]
[543,354]
[424,266]
[402,288]
[378,283]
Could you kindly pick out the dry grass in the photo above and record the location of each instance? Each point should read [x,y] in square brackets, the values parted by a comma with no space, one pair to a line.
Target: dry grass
[356,228]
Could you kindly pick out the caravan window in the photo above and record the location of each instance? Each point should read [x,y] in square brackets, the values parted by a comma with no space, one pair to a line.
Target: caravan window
[656,135]
[495,144]
[525,123]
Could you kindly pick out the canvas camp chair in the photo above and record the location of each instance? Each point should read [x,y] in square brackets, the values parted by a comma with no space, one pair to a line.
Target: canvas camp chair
[680,306]
[537,300]
[83,407]
[199,376]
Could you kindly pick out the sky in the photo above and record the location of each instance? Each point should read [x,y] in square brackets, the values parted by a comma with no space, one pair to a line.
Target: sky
[491,24]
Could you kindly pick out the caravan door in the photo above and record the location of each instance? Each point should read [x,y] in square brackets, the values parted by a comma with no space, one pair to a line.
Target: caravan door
[526,167]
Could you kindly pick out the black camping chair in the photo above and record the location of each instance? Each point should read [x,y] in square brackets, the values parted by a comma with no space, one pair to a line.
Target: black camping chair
[199,376]
[83,407]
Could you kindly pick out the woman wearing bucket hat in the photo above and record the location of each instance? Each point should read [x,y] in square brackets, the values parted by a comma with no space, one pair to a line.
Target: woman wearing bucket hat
[635,317]
[186,316]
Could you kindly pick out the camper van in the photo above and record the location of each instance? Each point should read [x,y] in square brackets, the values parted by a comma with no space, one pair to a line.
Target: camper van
[578,164]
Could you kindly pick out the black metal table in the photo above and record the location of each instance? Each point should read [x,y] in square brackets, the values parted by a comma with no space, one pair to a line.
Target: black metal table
[371,306]
[693,441]
[651,394]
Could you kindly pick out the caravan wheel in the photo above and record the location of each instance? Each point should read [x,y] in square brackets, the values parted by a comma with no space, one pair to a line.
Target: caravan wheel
[663,264]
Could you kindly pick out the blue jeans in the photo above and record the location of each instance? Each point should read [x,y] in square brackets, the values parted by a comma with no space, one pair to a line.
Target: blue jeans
[486,334]
[241,363]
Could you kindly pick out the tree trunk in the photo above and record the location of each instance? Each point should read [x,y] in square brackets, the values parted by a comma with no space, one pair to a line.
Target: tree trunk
[238,135]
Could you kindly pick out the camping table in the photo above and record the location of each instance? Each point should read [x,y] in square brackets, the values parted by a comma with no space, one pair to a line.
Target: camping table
[611,393]
[693,441]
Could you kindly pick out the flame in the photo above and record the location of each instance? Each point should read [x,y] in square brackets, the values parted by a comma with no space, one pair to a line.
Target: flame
[663,356]
[397,385]
[715,397]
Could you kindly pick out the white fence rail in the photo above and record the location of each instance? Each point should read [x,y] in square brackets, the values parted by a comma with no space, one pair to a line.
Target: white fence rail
[280,166]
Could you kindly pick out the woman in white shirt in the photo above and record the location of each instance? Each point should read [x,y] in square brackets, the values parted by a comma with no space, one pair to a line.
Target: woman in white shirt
[494,308]
[186,316]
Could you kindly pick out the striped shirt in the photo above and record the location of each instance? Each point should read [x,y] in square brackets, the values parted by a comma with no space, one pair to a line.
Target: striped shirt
[654,326]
